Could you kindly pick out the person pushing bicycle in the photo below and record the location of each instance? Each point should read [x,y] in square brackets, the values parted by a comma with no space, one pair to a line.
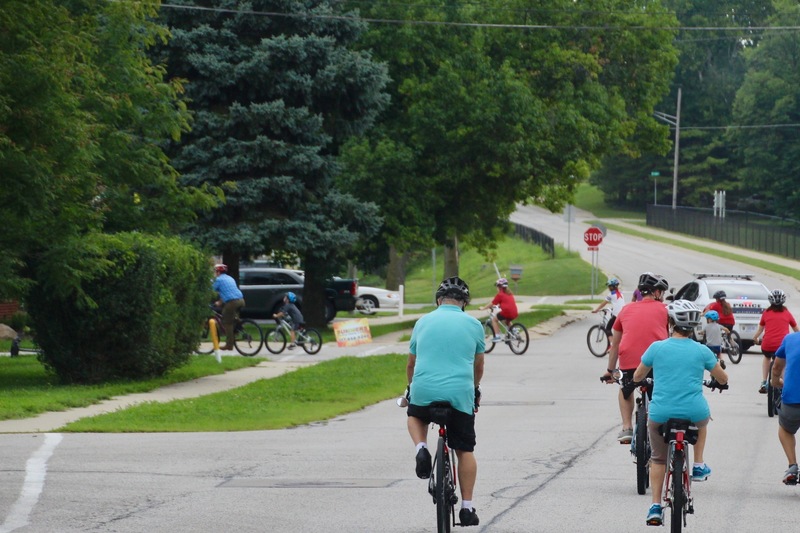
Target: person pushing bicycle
[504,299]
[445,364]
[678,365]
[290,309]
[231,300]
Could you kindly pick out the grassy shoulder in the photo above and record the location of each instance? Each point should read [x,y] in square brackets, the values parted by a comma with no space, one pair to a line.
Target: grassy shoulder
[27,390]
[310,394]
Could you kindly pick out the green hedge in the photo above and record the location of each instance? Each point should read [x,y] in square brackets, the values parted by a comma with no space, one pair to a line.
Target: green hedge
[134,315]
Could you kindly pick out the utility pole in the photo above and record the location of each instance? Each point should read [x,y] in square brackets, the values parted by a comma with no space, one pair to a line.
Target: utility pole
[674,120]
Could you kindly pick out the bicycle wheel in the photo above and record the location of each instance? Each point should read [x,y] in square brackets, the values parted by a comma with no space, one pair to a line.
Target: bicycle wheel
[770,392]
[488,334]
[598,341]
[248,337]
[312,340]
[678,496]
[642,450]
[275,340]
[735,348]
[518,339]
[206,345]
[443,505]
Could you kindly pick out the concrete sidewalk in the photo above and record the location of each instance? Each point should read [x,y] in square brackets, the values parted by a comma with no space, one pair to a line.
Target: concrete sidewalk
[50,421]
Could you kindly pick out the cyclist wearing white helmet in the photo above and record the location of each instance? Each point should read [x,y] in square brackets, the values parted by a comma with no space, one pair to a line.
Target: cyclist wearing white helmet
[638,325]
[445,364]
[678,365]
[775,323]
[504,299]
[231,300]
[615,298]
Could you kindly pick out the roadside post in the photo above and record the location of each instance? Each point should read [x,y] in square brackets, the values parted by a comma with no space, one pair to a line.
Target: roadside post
[516,274]
[593,237]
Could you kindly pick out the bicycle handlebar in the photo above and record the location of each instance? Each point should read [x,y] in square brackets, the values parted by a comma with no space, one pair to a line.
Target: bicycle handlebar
[713,384]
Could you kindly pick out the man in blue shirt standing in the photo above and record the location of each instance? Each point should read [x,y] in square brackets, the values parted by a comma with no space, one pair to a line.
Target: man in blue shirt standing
[231,300]
[445,364]
[787,364]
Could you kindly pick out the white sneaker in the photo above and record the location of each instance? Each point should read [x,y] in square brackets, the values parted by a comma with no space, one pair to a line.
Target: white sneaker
[497,338]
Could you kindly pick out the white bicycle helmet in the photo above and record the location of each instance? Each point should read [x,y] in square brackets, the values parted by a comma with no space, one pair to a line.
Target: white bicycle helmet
[777,297]
[684,314]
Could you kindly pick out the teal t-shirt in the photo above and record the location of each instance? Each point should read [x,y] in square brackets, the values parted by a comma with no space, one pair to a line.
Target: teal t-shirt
[678,369]
[445,343]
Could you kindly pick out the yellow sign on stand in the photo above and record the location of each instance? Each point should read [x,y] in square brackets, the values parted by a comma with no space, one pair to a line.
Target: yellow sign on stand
[352,332]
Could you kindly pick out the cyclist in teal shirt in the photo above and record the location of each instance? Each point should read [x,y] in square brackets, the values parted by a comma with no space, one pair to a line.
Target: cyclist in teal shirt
[679,364]
[445,363]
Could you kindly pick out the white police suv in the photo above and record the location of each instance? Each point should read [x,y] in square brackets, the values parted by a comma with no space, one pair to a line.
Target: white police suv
[749,298]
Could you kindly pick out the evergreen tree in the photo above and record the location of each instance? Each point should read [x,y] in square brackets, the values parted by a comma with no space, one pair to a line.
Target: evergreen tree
[274,97]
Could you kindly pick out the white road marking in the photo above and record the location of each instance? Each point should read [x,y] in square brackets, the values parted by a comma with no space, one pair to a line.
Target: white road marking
[35,471]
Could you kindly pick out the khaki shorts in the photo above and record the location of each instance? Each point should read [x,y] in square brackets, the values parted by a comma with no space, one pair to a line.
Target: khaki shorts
[658,447]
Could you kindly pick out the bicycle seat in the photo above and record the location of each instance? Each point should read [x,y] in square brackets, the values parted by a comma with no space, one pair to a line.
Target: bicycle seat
[674,425]
[440,412]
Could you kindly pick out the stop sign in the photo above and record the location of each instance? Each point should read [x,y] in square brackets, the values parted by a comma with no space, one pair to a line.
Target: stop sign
[593,236]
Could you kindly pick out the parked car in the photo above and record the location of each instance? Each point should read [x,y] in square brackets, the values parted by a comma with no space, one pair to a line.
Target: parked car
[749,298]
[370,299]
[265,287]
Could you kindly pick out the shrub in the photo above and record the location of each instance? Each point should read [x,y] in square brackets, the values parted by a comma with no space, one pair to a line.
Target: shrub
[134,315]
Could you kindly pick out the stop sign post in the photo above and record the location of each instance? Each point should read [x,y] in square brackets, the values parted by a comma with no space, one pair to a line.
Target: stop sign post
[593,237]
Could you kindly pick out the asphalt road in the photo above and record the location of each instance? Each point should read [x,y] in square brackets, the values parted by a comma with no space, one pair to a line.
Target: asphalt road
[548,457]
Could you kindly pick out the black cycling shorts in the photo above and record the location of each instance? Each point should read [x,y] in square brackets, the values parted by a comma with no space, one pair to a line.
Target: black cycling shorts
[460,426]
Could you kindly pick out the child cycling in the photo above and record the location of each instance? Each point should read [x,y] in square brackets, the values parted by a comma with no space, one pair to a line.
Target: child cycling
[712,333]
[508,307]
[616,299]
[290,309]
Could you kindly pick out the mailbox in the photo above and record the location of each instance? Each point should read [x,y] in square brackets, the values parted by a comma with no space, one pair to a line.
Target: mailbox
[516,272]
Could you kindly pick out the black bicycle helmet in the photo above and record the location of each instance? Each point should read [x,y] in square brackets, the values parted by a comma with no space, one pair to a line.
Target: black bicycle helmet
[777,297]
[719,295]
[455,288]
[684,314]
[649,282]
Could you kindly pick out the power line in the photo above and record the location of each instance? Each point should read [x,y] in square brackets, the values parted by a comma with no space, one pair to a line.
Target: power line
[477,24]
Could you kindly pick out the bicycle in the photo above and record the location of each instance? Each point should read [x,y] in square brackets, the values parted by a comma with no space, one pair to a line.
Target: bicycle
[599,338]
[515,335]
[680,434]
[443,481]
[247,339]
[640,443]
[276,338]
[731,342]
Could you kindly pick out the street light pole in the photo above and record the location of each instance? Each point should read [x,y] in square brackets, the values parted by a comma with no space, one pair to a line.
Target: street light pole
[674,120]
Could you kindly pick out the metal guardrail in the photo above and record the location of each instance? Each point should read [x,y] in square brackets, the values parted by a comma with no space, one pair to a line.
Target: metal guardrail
[537,237]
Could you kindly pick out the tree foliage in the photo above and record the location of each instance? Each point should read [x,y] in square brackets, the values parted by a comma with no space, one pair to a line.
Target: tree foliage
[82,113]
[485,117]
[770,94]
[274,97]
[710,71]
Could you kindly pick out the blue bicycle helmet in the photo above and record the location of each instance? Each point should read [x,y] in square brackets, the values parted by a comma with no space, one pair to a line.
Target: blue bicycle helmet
[291,296]
[713,315]
[613,282]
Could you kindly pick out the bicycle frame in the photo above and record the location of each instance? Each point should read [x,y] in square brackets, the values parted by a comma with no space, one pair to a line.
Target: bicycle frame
[678,497]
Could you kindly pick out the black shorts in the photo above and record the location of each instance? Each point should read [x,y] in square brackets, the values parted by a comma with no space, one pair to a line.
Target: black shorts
[460,426]
[628,386]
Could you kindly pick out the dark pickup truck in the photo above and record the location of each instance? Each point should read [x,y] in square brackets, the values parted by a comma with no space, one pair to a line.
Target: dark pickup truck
[264,289]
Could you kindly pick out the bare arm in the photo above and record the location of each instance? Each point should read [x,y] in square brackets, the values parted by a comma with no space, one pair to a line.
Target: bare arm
[777,372]
[641,372]
[719,374]
[412,361]
[758,332]
[478,368]
[613,353]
